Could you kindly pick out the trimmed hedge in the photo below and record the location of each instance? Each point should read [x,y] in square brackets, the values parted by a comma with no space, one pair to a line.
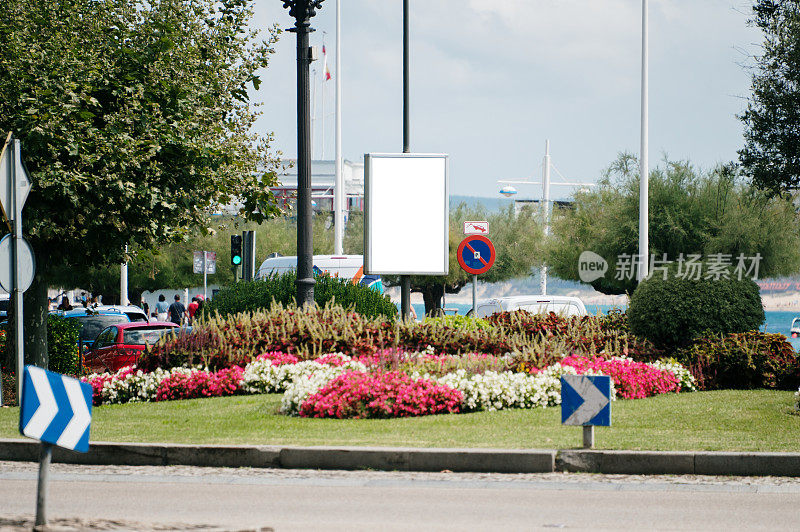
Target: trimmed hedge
[281,289]
[672,312]
[742,361]
[62,344]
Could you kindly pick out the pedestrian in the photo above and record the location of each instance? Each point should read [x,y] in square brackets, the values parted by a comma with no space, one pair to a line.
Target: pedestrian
[145,307]
[84,300]
[64,304]
[162,307]
[177,311]
[192,309]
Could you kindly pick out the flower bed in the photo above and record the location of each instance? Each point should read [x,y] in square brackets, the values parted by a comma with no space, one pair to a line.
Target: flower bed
[388,384]
[360,394]
[633,380]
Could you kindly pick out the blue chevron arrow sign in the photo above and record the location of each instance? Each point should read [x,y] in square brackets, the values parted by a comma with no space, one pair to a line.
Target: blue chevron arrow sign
[55,409]
[586,400]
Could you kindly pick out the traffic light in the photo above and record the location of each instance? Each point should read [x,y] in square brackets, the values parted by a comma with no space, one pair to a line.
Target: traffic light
[236,250]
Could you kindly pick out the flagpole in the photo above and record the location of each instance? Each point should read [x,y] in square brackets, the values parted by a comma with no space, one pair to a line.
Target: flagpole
[338,190]
[314,110]
[324,76]
[644,170]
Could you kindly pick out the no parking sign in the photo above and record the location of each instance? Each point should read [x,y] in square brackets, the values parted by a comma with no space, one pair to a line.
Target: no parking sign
[476,254]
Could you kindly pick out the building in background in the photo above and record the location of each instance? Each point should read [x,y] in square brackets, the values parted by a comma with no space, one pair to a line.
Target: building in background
[323,178]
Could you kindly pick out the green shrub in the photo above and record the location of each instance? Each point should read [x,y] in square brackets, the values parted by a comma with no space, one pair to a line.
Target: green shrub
[62,344]
[589,335]
[742,361]
[461,322]
[672,312]
[308,333]
[281,289]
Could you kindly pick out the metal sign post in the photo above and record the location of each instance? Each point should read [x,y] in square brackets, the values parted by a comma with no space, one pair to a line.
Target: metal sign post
[476,255]
[14,189]
[204,262]
[55,410]
[586,401]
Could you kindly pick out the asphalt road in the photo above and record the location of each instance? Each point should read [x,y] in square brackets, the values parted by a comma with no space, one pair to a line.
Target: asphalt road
[190,498]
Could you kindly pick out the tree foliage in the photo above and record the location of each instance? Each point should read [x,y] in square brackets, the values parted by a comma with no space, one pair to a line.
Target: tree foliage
[135,123]
[771,153]
[691,212]
[134,118]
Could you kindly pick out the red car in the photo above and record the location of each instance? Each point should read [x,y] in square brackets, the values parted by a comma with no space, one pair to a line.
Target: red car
[122,344]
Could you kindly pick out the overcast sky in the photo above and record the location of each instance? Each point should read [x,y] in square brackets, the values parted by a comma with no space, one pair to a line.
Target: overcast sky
[491,80]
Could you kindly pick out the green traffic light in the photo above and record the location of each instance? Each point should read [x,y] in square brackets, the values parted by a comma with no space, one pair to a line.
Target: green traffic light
[237,260]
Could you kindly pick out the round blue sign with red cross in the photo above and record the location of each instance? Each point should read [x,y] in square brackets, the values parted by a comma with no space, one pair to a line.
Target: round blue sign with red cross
[476,254]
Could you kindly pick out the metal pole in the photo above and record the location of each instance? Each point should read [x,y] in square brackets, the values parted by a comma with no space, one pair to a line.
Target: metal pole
[405,287]
[45,454]
[123,281]
[474,296]
[644,168]
[338,189]
[546,211]
[205,276]
[15,248]
[305,248]
[322,100]
[588,436]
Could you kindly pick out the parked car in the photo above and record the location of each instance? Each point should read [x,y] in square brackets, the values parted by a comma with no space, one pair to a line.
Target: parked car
[92,320]
[536,304]
[122,344]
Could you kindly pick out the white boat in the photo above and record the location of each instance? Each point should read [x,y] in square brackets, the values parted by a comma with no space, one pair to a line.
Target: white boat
[795,330]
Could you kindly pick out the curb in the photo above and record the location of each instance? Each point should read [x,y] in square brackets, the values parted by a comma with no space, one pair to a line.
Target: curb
[417,459]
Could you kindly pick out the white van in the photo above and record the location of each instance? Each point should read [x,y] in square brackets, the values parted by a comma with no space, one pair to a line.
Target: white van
[536,304]
[349,267]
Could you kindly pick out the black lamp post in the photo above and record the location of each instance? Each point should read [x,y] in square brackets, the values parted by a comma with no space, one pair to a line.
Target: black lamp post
[303,11]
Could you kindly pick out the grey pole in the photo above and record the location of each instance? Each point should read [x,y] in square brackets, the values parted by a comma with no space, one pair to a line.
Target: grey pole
[405,280]
[644,163]
[303,11]
[205,276]
[474,296]
[45,454]
[15,248]
[588,437]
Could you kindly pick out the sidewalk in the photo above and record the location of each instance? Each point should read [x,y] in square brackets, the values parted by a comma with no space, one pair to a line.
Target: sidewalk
[418,459]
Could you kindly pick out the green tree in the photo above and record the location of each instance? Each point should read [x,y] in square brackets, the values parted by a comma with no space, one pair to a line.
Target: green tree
[135,123]
[771,153]
[691,212]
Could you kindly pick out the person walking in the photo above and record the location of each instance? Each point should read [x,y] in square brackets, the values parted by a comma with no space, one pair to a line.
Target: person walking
[191,309]
[177,311]
[162,307]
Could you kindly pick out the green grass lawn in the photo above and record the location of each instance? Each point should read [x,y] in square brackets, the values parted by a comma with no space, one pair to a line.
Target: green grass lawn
[759,420]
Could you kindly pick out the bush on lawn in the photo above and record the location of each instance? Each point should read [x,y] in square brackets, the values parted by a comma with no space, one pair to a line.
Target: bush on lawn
[281,290]
[62,344]
[672,312]
[588,335]
[742,361]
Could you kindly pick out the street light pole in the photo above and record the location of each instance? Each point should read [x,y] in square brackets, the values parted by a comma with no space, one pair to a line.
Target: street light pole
[302,11]
[405,280]
[644,163]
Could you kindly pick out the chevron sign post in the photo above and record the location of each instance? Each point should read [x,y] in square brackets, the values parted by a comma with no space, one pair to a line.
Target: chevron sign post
[586,401]
[55,410]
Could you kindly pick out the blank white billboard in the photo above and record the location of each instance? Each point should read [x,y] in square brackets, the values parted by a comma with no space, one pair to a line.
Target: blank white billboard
[406,214]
